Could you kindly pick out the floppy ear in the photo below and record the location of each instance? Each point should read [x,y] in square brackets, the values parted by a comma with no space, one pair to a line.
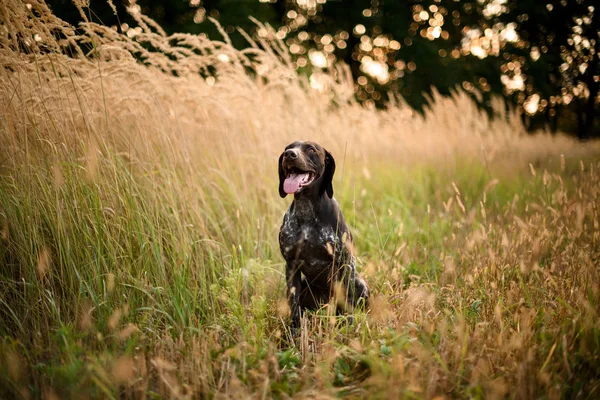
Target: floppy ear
[327,185]
[282,192]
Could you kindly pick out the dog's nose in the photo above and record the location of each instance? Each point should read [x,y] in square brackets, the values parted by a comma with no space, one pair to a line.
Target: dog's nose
[291,154]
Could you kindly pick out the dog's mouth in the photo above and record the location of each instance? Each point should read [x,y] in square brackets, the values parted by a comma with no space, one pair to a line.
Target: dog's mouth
[296,180]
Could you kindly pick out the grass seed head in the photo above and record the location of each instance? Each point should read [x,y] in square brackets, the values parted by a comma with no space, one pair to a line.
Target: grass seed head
[43,262]
[123,370]
[15,365]
[339,294]
[85,317]
[127,331]
[113,320]
[110,282]
[283,308]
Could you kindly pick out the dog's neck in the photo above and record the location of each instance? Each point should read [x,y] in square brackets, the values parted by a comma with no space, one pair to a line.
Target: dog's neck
[306,206]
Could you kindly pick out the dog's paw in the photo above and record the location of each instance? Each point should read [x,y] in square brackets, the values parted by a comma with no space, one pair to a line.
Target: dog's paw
[295,331]
[295,327]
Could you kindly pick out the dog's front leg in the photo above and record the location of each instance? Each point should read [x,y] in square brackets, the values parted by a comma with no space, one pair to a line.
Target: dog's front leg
[347,276]
[347,279]
[292,275]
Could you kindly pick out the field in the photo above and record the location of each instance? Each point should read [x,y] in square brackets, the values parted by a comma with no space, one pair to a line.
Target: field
[139,215]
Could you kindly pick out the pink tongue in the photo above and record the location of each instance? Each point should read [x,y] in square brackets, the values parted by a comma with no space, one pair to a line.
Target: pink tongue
[292,184]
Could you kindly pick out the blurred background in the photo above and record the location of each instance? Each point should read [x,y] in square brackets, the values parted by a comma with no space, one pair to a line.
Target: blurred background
[541,57]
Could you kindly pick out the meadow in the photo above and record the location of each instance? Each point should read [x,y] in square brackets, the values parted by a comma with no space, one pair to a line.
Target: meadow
[139,215]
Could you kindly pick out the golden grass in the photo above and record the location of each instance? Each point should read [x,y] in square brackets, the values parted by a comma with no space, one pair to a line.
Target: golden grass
[139,216]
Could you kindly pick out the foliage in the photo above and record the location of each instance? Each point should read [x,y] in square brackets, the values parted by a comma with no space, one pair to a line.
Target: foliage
[560,55]
[542,58]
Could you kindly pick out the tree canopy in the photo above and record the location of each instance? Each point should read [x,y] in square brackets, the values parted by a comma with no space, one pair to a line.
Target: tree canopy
[541,57]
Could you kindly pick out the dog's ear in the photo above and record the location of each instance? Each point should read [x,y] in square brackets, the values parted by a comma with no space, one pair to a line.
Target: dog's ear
[282,192]
[327,185]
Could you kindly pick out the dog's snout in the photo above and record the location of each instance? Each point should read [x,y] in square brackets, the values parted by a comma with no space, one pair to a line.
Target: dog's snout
[291,154]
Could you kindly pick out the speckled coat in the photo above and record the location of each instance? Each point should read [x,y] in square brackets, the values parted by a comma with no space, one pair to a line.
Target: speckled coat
[316,244]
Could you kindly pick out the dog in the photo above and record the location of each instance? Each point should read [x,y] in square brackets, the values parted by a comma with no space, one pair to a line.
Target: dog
[314,238]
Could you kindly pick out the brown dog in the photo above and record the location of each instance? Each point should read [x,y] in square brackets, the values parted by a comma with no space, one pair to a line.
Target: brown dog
[314,238]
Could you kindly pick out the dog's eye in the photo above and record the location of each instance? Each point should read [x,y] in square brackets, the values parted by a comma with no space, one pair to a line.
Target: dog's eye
[311,150]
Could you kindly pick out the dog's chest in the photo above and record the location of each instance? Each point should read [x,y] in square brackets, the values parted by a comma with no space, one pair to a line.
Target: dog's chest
[307,242]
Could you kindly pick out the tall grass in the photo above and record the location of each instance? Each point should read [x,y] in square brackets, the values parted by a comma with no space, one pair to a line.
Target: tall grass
[139,217]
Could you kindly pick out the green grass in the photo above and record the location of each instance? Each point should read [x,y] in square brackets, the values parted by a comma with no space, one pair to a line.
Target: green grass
[100,271]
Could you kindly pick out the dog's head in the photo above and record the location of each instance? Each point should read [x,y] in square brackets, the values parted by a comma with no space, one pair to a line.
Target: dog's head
[306,167]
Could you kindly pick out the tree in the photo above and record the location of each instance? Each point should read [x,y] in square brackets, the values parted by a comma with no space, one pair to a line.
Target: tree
[543,58]
[396,47]
[556,53]
[190,16]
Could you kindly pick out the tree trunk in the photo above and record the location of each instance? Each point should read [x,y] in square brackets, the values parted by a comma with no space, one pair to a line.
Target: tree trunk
[549,120]
[581,133]
[554,125]
[590,109]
